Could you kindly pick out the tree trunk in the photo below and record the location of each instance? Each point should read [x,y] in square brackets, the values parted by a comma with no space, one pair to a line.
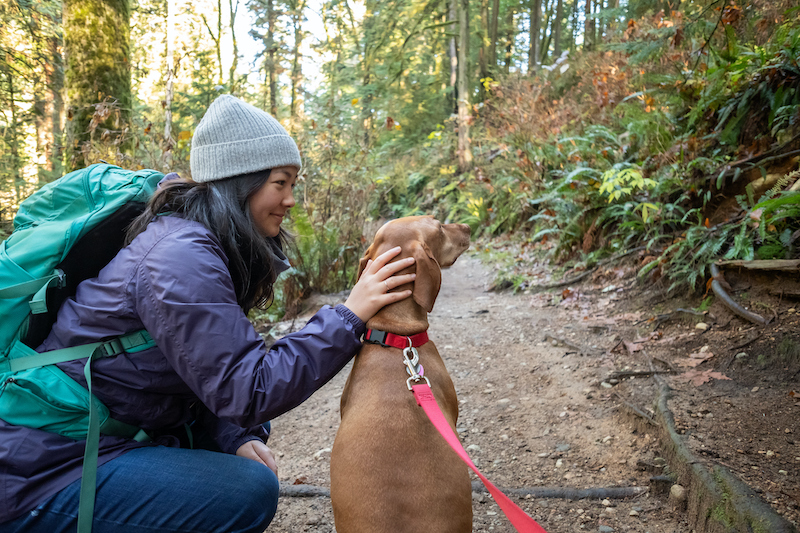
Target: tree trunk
[464,150]
[272,75]
[574,26]
[296,109]
[534,30]
[453,52]
[557,29]
[233,5]
[216,38]
[14,142]
[167,154]
[511,34]
[544,49]
[588,34]
[48,105]
[97,50]
[369,31]
[484,51]
[493,35]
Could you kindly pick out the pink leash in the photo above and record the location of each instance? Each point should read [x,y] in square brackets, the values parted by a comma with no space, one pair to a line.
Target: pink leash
[518,518]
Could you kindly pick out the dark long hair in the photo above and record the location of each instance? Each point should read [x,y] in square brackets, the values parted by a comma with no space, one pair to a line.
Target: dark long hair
[222,207]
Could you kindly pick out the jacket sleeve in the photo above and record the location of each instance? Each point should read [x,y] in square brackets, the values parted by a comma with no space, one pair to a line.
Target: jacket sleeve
[228,436]
[185,298]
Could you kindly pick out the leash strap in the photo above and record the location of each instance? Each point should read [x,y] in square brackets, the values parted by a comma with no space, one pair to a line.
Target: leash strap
[518,518]
[376,336]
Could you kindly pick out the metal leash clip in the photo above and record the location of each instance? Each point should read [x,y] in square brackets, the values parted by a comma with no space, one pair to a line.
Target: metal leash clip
[413,368]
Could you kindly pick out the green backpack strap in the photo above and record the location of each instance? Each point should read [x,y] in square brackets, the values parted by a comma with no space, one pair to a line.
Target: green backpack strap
[27,288]
[130,343]
[89,472]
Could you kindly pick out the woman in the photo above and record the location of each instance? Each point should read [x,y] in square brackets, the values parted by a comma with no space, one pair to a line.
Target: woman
[201,256]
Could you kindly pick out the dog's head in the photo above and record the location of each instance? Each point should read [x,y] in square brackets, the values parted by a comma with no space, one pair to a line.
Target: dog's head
[433,246]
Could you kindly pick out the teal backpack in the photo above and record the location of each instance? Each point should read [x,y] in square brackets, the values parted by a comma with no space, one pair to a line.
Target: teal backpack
[63,234]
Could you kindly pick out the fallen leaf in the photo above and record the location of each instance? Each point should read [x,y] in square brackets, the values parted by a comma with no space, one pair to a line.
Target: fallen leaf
[696,358]
[697,378]
[632,347]
[302,480]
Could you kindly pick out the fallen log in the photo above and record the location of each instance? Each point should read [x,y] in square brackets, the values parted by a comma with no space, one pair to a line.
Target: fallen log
[784,265]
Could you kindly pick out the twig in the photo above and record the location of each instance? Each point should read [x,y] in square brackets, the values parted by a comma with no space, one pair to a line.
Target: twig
[635,410]
[716,286]
[640,374]
[565,343]
[660,319]
[745,343]
[569,493]
[591,270]
[759,159]
[665,363]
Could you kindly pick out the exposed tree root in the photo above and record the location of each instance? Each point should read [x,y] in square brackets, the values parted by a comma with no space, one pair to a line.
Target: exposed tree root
[716,286]
[718,501]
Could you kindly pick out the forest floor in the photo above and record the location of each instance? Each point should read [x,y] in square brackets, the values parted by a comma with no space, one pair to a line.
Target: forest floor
[543,403]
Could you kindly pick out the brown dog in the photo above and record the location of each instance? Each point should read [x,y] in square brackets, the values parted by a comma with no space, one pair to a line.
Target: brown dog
[390,469]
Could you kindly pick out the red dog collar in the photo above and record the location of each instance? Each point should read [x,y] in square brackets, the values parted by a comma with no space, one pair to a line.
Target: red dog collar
[375,336]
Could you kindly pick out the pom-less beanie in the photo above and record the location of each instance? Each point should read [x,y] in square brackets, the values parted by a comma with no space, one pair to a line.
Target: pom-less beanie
[236,138]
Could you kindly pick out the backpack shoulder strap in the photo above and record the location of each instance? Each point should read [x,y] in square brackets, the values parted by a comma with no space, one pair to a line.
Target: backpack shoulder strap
[131,343]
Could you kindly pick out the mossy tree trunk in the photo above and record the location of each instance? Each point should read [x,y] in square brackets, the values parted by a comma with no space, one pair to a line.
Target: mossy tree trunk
[97,77]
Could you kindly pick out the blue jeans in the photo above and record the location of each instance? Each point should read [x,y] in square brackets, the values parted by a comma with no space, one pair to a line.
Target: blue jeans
[159,489]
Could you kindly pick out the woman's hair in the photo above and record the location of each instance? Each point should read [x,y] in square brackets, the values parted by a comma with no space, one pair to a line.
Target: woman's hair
[222,207]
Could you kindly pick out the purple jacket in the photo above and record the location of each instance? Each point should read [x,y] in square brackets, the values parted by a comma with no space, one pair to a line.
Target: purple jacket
[210,364]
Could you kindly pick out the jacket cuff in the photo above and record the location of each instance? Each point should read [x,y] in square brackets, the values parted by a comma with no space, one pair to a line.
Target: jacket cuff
[244,439]
[350,318]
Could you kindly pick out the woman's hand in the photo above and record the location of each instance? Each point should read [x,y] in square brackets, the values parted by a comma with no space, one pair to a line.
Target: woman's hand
[258,452]
[371,292]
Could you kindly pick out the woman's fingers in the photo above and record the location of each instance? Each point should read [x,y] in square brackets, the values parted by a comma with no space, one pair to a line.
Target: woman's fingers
[384,258]
[396,281]
[375,287]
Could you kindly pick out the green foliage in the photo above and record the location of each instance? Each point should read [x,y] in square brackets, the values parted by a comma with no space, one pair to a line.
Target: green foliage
[750,86]
[599,152]
[622,180]
[789,350]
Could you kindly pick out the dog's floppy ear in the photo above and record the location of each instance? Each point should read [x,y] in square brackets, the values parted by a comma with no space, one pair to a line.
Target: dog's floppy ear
[429,276]
[362,264]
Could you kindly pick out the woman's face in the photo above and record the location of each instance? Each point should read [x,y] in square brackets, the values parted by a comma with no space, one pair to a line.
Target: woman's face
[270,203]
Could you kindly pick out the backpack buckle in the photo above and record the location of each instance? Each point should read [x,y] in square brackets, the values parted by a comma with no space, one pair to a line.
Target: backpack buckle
[111,348]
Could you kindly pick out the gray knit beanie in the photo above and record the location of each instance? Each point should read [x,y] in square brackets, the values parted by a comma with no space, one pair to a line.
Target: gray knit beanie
[236,138]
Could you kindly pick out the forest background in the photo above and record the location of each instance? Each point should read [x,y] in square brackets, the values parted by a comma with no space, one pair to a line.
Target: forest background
[577,129]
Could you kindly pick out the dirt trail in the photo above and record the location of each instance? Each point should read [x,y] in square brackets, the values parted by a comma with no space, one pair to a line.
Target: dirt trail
[532,414]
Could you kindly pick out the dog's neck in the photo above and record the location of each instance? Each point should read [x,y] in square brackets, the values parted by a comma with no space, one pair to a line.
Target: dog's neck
[405,317]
